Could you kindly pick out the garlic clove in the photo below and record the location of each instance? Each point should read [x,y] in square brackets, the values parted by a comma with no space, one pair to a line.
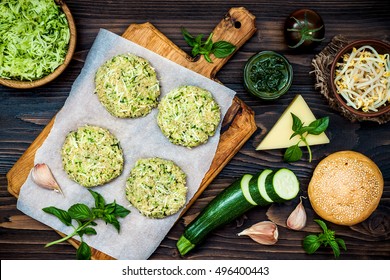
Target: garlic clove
[42,176]
[265,232]
[297,218]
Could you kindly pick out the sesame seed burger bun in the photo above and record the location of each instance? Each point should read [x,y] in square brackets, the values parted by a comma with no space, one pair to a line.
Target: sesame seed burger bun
[346,188]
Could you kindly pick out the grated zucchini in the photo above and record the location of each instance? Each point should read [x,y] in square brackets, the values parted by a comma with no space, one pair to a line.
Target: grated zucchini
[188,116]
[92,156]
[34,38]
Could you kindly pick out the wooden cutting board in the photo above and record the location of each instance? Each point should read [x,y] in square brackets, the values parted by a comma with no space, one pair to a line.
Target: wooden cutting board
[236,27]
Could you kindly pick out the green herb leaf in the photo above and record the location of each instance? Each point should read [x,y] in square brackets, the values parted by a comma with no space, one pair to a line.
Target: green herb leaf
[121,211]
[83,252]
[99,200]
[188,37]
[115,223]
[87,231]
[62,215]
[222,49]
[293,153]
[294,134]
[80,212]
[318,126]
[207,57]
[341,243]
[195,50]
[322,225]
[208,45]
[335,247]
[198,39]
[311,244]
[109,208]
[85,216]
[297,123]
[98,213]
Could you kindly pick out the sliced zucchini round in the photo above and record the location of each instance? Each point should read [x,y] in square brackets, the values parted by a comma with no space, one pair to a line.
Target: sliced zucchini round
[282,185]
[254,190]
[261,184]
[245,188]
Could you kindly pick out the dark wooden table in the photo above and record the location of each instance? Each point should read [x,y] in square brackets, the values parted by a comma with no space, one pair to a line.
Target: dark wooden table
[24,113]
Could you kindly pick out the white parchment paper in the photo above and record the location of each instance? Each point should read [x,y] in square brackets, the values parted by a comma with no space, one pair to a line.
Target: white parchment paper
[139,138]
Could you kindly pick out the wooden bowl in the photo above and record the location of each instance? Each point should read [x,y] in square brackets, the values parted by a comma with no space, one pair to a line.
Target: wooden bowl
[382,48]
[46,79]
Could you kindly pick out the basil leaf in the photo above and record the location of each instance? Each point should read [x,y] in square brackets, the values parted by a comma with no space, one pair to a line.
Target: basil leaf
[62,215]
[85,218]
[335,247]
[116,224]
[80,212]
[87,231]
[83,252]
[195,50]
[99,200]
[294,134]
[318,126]
[203,51]
[207,57]
[296,125]
[322,225]
[198,39]
[293,153]
[190,40]
[341,243]
[110,219]
[222,49]
[121,211]
[311,243]
[208,45]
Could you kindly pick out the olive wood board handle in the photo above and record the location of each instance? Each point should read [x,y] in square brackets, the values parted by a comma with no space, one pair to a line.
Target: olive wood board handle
[237,27]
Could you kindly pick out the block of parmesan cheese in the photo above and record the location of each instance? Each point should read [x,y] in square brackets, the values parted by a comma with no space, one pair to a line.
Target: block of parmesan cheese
[279,136]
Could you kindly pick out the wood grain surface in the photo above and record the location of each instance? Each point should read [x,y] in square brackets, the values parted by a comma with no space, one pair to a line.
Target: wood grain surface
[237,126]
[24,113]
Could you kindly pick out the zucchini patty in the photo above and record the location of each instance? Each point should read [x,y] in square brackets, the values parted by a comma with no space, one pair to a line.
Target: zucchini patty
[156,187]
[127,86]
[92,156]
[188,116]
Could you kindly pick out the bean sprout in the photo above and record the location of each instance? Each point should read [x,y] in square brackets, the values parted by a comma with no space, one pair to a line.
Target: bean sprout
[363,79]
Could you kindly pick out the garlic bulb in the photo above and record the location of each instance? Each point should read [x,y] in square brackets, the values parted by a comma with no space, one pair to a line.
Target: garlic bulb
[43,177]
[297,218]
[265,233]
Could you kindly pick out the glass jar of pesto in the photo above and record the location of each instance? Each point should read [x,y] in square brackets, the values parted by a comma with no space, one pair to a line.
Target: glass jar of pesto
[268,75]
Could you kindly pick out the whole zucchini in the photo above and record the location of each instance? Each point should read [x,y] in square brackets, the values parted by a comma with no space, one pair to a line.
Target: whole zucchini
[234,201]
[224,208]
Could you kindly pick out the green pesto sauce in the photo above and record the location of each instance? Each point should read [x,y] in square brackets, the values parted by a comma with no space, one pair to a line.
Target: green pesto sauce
[269,74]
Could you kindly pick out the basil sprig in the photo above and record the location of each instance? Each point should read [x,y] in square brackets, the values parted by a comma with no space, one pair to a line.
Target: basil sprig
[220,49]
[85,217]
[294,152]
[312,242]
